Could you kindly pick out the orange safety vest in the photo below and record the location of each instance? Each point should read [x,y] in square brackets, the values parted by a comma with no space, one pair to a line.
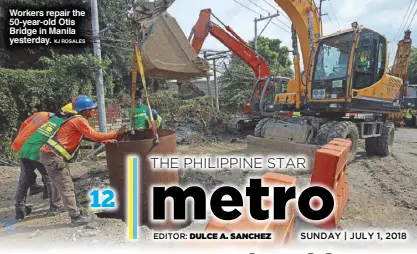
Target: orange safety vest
[29,127]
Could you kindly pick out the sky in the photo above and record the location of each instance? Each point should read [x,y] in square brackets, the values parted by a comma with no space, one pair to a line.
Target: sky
[383,16]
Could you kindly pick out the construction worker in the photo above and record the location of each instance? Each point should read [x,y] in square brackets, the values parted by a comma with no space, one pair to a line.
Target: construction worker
[62,148]
[28,127]
[29,157]
[159,123]
[409,118]
[296,114]
[139,117]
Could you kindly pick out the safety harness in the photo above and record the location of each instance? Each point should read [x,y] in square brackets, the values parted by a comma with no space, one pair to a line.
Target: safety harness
[54,144]
[48,129]
[138,66]
[409,114]
[157,122]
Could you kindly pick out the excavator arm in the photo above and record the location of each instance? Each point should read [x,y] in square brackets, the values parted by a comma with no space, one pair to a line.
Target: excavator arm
[400,67]
[233,42]
[307,23]
[228,38]
[307,27]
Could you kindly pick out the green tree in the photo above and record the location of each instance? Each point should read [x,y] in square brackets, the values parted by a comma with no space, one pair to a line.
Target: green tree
[412,67]
[236,84]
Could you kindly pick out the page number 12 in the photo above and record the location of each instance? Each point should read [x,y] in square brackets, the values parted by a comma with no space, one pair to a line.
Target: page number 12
[102,199]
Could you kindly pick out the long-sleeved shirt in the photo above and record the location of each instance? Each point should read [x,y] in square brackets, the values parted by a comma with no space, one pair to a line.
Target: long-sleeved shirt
[71,133]
[28,127]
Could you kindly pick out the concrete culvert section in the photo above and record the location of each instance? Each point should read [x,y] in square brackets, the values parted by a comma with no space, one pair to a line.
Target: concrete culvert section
[141,145]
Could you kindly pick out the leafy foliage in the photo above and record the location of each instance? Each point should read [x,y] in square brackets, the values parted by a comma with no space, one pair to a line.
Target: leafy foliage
[236,84]
[412,68]
[24,92]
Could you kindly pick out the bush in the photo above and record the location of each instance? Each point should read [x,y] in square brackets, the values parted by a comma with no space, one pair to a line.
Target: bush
[24,92]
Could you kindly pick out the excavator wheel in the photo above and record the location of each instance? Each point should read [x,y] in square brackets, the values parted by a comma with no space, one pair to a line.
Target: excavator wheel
[258,129]
[346,130]
[323,133]
[382,145]
[233,126]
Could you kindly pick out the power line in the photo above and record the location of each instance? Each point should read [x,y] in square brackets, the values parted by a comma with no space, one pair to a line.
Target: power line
[408,18]
[269,14]
[282,14]
[244,6]
[280,27]
[398,36]
[334,13]
[257,13]
[402,22]
[258,6]
[409,24]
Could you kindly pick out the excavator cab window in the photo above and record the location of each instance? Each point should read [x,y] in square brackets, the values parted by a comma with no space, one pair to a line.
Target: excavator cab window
[382,51]
[333,57]
[366,60]
[331,67]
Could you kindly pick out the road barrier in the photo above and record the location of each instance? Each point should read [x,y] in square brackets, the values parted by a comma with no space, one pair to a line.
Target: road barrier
[330,171]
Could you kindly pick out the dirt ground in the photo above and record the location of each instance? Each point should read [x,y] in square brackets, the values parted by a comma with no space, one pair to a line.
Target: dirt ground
[382,195]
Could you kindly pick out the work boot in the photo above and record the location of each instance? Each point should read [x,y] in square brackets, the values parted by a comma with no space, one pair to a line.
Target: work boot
[45,194]
[22,213]
[80,220]
[35,189]
[55,211]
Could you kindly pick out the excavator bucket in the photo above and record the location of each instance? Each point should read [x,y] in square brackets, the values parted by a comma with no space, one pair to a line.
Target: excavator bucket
[188,90]
[167,54]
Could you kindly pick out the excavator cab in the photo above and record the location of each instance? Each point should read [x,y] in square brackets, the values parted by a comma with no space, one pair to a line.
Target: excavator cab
[262,102]
[350,74]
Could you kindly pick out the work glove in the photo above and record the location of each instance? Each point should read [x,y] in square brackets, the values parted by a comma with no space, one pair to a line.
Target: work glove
[122,131]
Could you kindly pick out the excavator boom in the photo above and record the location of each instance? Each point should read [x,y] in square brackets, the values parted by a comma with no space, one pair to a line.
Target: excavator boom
[234,43]
[306,20]
[228,38]
[400,67]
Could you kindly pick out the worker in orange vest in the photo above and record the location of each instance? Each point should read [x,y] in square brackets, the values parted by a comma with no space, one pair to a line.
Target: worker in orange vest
[62,148]
[28,127]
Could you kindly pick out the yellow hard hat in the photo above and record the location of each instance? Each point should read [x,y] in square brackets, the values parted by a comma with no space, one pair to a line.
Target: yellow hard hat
[68,109]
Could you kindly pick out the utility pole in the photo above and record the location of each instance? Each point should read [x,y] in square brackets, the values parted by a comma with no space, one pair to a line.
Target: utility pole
[214,57]
[270,17]
[99,70]
[216,91]
[208,83]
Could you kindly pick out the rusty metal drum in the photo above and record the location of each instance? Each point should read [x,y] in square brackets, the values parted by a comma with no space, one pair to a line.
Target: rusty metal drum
[141,144]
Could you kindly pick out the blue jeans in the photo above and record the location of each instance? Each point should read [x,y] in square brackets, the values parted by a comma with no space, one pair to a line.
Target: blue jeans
[27,173]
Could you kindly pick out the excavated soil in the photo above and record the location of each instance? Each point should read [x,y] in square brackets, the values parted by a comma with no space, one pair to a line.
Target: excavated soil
[382,195]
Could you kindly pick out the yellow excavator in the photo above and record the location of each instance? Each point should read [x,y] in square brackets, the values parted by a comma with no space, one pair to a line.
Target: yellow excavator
[345,90]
